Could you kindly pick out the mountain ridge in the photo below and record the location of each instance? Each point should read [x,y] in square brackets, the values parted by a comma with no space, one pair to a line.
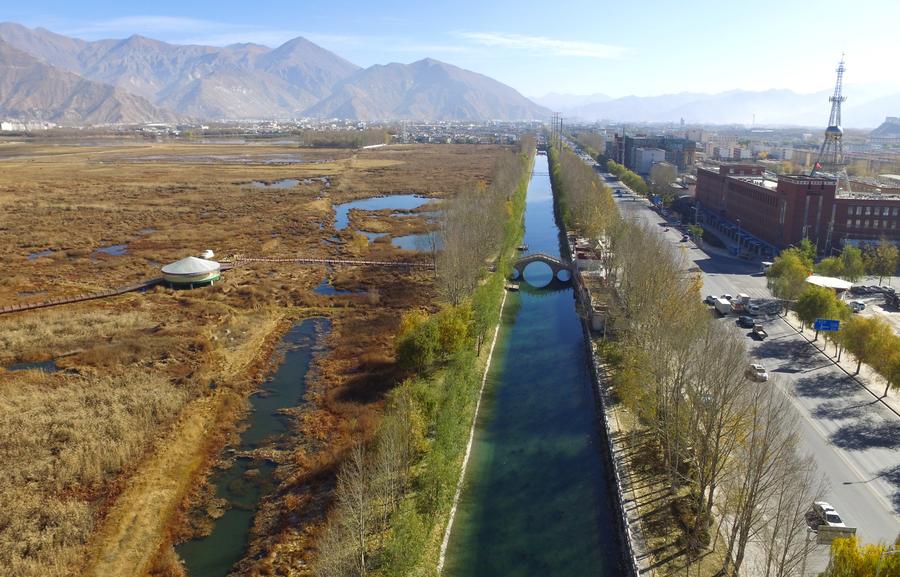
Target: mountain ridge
[32,90]
[252,81]
[763,107]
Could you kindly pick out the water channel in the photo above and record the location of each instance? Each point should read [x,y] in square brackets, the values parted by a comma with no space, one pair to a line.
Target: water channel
[536,499]
[247,480]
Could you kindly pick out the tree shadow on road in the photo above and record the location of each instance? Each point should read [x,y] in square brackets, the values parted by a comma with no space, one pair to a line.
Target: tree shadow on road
[799,356]
[841,410]
[862,436]
[825,386]
[892,476]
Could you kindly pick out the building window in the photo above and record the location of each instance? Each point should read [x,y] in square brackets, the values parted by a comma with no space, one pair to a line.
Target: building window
[857,223]
[858,210]
[875,223]
[850,209]
[895,211]
[866,223]
[849,223]
[884,223]
[868,210]
[894,224]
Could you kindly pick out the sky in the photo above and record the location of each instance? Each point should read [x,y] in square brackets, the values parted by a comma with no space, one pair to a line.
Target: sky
[644,48]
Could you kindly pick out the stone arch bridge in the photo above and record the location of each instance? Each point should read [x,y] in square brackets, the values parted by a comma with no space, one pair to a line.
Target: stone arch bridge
[555,264]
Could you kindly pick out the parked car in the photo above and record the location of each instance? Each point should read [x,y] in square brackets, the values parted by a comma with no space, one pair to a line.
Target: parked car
[685,238]
[727,297]
[757,373]
[857,306]
[710,299]
[827,515]
[753,310]
[746,322]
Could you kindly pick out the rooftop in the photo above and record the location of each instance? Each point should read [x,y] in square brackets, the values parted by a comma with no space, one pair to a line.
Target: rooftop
[829,282]
[191,266]
[758,181]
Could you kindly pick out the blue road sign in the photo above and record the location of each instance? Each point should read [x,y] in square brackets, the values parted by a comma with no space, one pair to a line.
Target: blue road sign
[826,325]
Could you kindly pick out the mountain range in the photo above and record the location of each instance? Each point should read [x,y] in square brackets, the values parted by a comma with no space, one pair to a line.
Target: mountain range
[138,79]
[767,108]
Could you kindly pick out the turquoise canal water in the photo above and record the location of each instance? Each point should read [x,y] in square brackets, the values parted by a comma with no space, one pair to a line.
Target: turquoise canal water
[536,501]
[247,480]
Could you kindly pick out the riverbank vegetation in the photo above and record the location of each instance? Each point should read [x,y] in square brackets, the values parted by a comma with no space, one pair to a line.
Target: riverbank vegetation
[726,446]
[394,493]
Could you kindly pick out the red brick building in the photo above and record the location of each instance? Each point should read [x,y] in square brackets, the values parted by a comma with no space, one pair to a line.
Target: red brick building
[783,210]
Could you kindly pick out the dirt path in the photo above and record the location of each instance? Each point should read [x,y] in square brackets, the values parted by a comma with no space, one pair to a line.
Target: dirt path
[130,536]
[135,528]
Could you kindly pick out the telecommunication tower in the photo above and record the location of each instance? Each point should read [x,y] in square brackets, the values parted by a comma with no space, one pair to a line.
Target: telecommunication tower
[831,155]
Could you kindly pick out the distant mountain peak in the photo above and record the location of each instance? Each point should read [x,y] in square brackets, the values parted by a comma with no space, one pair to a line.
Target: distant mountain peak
[33,90]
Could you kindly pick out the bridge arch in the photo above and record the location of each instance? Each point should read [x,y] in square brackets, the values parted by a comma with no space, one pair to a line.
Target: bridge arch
[556,266]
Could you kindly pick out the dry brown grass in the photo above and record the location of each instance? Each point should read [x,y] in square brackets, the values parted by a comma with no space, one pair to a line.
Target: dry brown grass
[61,438]
[76,446]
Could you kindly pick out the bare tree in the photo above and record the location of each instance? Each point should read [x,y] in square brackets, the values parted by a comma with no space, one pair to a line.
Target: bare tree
[355,511]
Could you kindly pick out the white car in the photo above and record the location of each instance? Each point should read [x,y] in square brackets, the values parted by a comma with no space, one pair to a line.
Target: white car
[727,297]
[857,306]
[827,515]
[757,373]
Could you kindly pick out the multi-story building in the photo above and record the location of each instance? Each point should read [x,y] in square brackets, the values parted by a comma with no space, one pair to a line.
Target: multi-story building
[783,210]
[679,151]
[645,158]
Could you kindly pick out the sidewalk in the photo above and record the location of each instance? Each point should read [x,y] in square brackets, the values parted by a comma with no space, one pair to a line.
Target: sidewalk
[867,377]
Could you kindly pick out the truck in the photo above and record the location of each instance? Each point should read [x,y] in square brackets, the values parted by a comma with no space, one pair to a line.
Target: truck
[741,303]
[723,306]
[759,332]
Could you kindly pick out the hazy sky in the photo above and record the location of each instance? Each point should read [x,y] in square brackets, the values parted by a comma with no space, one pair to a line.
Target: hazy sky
[571,46]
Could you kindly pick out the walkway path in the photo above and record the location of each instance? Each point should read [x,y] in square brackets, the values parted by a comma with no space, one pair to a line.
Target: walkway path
[144,285]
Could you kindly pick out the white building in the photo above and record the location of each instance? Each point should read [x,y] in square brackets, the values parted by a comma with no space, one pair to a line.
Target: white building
[644,158]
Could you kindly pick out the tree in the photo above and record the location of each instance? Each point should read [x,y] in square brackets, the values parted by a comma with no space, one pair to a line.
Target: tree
[356,505]
[849,558]
[662,175]
[881,261]
[696,231]
[787,275]
[831,266]
[807,252]
[863,337]
[817,302]
[854,267]
[418,342]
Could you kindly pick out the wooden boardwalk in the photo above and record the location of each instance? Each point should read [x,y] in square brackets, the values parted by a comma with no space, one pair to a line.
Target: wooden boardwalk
[338,262]
[81,298]
[225,266]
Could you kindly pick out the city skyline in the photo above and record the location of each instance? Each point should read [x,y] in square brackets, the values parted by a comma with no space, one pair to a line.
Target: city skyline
[580,48]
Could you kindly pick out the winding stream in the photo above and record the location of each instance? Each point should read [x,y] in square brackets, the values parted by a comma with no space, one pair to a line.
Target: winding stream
[247,480]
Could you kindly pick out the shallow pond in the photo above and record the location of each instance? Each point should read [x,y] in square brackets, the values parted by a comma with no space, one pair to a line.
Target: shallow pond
[392,202]
[112,250]
[285,183]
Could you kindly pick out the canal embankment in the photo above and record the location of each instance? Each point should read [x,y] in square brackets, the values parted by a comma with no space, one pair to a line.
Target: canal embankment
[537,496]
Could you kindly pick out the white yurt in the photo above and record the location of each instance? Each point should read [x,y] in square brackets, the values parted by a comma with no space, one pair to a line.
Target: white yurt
[191,272]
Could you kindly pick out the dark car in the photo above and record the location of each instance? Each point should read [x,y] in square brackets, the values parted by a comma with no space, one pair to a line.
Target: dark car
[746,322]
[685,238]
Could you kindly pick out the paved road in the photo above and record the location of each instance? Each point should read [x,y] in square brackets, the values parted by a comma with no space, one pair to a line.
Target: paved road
[853,438]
